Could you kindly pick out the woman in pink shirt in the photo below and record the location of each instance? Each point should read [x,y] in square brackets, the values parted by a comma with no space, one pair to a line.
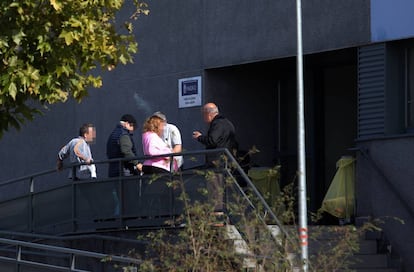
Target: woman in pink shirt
[152,144]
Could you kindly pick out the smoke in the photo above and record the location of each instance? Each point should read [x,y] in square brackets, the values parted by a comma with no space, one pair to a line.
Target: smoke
[142,105]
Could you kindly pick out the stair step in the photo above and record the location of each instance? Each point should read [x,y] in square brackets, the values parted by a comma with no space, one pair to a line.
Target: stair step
[372,270]
[367,259]
[368,247]
[365,246]
[240,246]
[373,235]
[370,261]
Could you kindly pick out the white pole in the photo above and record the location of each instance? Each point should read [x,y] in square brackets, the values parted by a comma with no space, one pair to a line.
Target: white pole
[303,226]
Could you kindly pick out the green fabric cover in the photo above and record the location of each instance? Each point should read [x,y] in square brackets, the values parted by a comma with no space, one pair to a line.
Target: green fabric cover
[266,180]
[340,197]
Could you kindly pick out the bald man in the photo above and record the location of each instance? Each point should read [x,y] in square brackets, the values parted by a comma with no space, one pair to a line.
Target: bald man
[221,132]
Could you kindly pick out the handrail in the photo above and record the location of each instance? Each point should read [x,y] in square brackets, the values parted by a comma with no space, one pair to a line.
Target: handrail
[364,152]
[73,252]
[27,177]
[38,237]
[139,158]
[258,194]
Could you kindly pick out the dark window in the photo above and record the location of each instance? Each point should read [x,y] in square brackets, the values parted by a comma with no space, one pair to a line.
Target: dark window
[409,87]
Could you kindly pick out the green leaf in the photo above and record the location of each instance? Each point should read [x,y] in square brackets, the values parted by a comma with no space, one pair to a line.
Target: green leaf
[12,90]
[68,36]
[56,5]
[17,37]
[13,61]
[34,74]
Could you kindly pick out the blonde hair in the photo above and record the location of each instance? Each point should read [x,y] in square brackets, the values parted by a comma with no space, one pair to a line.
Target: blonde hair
[153,124]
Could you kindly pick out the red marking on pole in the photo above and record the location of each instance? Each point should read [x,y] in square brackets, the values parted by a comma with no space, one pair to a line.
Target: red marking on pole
[303,235]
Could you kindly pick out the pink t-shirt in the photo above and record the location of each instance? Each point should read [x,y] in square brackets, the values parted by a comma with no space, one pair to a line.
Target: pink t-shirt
[152,145]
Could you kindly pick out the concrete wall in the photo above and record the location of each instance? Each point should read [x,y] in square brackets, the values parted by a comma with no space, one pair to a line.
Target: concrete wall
[385,188]
[245,31]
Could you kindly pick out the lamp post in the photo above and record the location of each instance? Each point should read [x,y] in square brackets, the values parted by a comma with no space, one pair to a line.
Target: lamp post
[303,226]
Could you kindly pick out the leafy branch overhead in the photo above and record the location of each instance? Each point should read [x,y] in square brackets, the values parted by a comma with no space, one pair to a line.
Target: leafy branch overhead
[50,47]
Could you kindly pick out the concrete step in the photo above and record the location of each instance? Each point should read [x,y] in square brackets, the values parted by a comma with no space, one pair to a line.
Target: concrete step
[368,247]
[240,246]
[373,270]
[365,246]
[367,259]
[370,261]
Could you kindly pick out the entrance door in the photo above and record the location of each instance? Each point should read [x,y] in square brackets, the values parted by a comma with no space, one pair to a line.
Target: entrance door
[335,126]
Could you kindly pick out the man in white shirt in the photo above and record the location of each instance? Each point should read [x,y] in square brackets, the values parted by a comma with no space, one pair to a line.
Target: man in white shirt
[172,136]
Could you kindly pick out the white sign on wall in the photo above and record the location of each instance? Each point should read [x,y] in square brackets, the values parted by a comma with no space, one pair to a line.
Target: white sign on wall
[189,92]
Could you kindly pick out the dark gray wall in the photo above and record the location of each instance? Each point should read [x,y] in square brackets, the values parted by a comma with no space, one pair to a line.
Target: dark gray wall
[247,31]
[385,188]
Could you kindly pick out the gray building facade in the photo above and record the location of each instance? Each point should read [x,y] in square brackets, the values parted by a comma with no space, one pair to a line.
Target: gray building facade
[358,90]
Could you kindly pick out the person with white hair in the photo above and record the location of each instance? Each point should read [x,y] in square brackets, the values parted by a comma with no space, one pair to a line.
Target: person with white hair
[221,133]
[172,136]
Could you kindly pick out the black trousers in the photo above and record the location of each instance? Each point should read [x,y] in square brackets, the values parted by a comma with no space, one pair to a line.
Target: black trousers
[149,169]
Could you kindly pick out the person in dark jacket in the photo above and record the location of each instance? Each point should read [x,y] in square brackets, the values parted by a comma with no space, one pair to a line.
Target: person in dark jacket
[221,133]
[121,144]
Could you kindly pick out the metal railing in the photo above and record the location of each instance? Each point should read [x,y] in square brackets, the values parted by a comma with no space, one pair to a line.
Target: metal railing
[23,248]
[77,192]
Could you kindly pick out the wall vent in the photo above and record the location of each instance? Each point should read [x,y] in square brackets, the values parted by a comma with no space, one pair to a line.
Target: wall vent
[371,90]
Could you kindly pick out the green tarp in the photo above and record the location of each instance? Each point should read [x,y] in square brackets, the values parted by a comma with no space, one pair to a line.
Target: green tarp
[266,180]
[340,197]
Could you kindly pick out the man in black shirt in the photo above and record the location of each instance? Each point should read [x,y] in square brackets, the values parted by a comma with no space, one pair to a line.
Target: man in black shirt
[221,133]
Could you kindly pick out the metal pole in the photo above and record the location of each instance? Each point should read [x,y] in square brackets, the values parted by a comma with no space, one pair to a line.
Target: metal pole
[303,227]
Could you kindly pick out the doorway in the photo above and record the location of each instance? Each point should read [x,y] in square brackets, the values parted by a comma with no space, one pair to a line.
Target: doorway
[260,99]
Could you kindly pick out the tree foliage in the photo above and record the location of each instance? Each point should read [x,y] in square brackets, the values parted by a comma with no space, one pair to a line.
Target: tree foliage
[49,49]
